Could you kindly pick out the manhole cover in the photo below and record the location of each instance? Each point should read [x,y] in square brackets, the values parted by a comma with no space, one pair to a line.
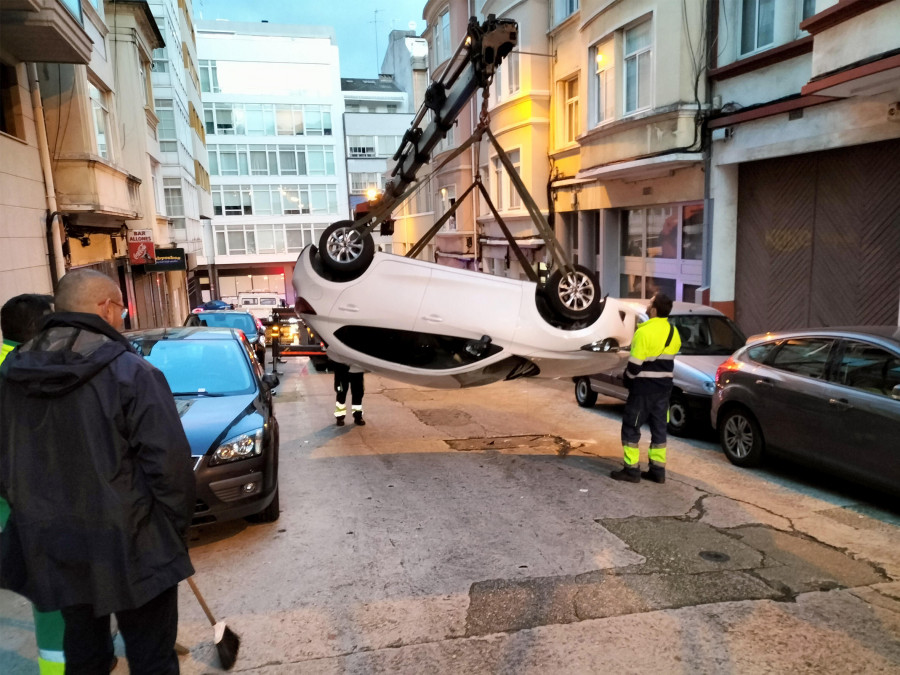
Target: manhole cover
[715,556]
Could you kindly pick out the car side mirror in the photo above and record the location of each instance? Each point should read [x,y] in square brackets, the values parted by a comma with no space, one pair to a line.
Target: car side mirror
[271,380]
[895,392]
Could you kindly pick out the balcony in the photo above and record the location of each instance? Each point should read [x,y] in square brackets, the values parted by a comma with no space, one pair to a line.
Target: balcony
[45,31]
[95,193]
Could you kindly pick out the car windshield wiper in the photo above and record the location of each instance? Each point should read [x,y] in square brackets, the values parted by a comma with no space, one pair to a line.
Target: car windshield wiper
[199,392]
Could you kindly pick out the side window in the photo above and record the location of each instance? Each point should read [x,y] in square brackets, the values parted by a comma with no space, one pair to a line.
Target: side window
[869,368]
[761,353]
[803,356]
[252,356]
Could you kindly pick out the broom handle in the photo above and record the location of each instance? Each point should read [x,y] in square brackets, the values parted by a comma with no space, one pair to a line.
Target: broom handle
[209,615]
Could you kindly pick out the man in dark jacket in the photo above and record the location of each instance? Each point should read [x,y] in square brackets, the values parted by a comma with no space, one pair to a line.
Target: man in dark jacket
[97,471]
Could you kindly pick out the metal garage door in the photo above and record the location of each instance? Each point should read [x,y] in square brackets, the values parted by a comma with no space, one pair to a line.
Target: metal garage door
[818,239]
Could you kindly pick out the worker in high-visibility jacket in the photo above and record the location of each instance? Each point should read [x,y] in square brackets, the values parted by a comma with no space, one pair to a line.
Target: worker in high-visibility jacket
[648,378]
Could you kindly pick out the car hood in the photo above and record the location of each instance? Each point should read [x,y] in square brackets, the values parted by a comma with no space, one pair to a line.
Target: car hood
[209,420]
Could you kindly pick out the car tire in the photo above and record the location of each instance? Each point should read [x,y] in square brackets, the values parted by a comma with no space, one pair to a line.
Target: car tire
[584,395]
[680,421]
[269,514]
[741,437]
[575,295]
[344,251]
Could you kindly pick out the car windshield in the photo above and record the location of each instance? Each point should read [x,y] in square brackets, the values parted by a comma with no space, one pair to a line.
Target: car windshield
[704,335]
[200,367]
[243,322]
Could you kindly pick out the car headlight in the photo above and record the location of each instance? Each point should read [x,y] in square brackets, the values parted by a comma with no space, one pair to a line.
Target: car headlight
[709,387]
[237,448]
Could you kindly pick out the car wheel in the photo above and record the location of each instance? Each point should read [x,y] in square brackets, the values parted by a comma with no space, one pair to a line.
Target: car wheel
[574,295]
[679,418]
[269,514]
[585,396]
[345,251]
[741,437]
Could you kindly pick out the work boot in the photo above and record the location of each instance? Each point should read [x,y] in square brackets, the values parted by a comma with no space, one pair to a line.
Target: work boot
[656,473]
[358,418]
[629,474]
[339,421]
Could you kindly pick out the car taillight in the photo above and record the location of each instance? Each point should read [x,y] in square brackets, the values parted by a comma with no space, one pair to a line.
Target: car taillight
[303,307]
[728,366]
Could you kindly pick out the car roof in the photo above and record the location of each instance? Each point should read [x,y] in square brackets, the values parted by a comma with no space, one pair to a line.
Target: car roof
[886,333]
[183,333]
[679,308]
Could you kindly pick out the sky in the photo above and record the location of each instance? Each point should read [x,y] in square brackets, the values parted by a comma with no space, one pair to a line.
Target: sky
[361,26]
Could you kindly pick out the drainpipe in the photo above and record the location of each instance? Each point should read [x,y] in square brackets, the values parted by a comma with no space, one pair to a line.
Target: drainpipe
[57,260]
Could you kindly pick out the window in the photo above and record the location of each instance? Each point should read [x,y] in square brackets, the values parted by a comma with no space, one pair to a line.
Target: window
[167,132]
[101,120]
[174,198]
[442,38]
[869,368]
[446,199]
[10,122]
[160,60]
[570,112]
[563,9]
[497,183]
[361,146]
[209,77]
[360,183]
[603,107]
[803,356]
[512,69]
[637,68]
[515,200]
[757,24]
[807,9]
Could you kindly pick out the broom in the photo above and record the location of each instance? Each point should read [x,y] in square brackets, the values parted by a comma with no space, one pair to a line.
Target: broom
[227,641]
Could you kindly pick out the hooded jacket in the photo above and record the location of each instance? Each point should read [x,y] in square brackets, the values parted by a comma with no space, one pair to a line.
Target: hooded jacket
[96,468]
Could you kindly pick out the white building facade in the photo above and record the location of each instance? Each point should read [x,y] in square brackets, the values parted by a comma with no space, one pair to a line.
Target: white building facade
[273,116]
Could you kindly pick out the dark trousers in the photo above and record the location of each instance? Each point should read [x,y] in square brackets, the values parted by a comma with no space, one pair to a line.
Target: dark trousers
[345,381]
[650,409]
[149,633]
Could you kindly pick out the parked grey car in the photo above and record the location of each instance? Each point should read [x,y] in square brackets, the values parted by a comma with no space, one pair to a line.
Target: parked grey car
[708,337]
[828,397]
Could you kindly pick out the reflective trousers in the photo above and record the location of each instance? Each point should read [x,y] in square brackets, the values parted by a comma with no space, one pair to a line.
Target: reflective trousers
[652,410]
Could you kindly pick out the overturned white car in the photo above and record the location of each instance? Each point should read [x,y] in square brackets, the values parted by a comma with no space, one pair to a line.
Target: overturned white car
[437,326]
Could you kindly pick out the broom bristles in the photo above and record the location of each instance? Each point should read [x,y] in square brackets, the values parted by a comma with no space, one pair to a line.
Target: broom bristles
[227,645]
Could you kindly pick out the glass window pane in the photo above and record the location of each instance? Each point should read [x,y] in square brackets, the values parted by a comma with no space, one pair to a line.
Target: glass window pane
[298,122]
[290,201]
[692,233]
[262,201]
[637,38]
[630,286]
[660,285]
[766,23]
[265,239]
[643,67]
[803,356]
[288,162]
[633,233]
[869,368]
[236,242]
[220,243]
[285,121]
[631,93]
[294,238]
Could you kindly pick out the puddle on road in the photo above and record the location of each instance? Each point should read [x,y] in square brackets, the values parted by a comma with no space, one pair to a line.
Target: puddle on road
[543,443]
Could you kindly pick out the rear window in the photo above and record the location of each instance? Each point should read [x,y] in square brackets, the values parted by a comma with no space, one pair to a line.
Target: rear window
[243,322]
[268,302]
[248,301]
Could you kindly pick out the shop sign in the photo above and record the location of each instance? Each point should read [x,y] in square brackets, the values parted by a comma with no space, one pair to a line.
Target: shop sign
[168,260]
[141,250]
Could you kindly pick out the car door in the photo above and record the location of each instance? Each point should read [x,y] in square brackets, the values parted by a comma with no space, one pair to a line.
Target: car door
[864,423]
[795,392]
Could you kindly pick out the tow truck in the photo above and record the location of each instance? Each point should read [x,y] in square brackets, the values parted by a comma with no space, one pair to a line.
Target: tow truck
[426,323]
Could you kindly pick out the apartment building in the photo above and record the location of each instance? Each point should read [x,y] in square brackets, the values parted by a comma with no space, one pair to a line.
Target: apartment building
[273,116]
[803,162]
[181,188]
[90,123]
[374,123]
[629,93]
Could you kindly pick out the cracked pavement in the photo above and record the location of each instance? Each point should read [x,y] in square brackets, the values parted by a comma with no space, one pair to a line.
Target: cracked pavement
[477,531]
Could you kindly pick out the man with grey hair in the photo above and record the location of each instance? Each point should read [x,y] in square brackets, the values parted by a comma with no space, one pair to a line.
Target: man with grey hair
[97,471]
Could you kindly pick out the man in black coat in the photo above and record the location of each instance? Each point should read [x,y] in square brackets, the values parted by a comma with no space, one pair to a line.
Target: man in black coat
[97,471]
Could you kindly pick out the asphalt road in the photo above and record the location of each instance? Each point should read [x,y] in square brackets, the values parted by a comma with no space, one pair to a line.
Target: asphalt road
[477,531]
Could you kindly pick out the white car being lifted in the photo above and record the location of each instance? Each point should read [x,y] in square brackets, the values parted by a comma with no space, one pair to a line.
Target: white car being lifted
[444,327]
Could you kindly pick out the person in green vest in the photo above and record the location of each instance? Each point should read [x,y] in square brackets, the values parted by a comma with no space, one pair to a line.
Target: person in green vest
[20,318]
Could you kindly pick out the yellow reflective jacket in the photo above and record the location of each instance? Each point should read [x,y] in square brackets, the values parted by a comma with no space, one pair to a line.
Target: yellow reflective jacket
[652,361]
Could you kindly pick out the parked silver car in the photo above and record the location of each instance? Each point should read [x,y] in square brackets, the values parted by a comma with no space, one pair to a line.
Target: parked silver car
[828,397]
[708,337]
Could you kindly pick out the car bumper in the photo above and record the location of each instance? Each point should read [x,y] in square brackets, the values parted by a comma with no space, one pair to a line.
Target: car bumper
[230,491]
